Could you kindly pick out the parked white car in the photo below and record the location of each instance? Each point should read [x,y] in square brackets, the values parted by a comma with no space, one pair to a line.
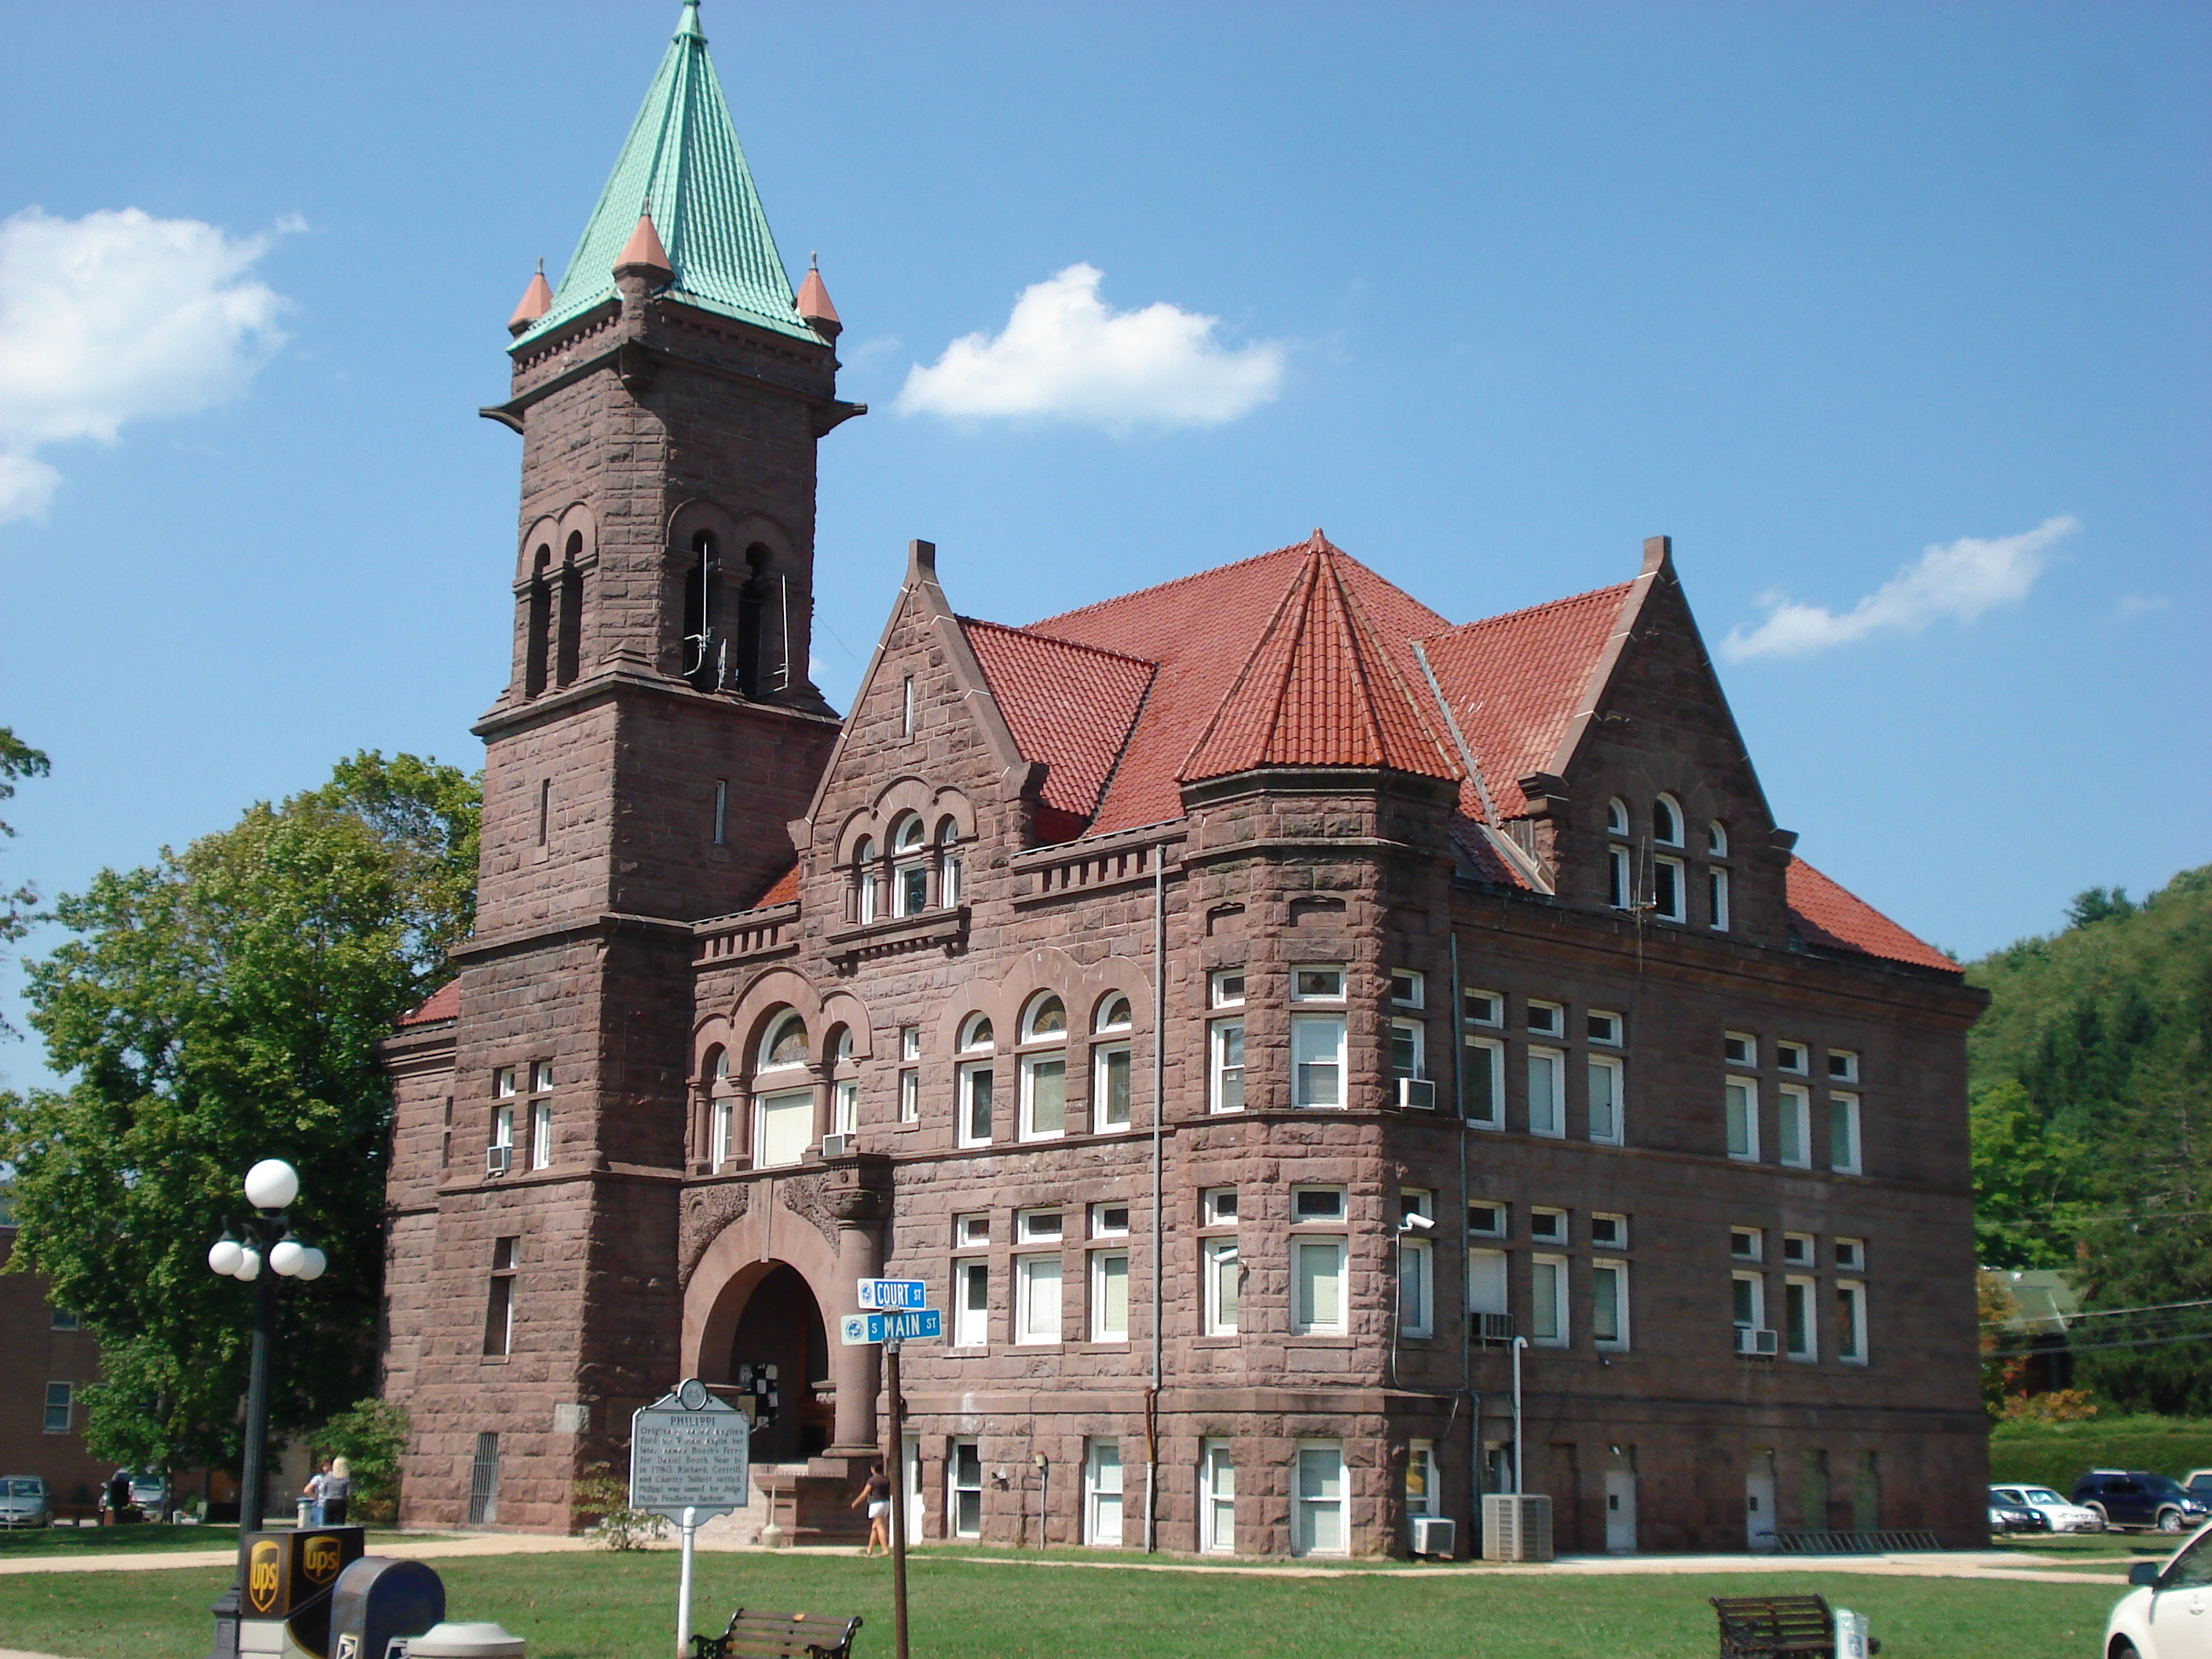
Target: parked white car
[2167,1613]
[2064,1515]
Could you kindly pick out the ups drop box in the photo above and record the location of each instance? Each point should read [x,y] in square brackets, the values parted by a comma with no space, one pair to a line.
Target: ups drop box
[289,1577]
[379,1600]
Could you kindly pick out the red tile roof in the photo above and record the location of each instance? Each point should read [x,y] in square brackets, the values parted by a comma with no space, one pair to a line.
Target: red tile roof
[444,1003]
[782,890]
[1068,705]
[1515,681]
[1318,690]
[1200,630]
[1826,915]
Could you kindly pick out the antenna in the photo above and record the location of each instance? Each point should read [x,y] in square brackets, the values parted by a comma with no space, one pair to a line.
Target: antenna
[783,587]
[704,639]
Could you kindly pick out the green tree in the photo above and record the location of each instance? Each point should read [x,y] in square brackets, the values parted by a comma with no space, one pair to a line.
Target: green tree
[18,759]
[2030,1181]
[214,1008]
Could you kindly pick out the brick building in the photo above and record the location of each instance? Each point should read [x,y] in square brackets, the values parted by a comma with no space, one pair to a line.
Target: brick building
[48,1360]
[1249,1004]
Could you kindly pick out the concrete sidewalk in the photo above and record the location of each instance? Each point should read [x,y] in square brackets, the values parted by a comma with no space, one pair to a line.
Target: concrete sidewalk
[428,1549]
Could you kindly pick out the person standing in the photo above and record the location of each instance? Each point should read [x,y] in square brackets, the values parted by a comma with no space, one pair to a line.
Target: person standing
[315,1491]
[876,1492]
[337,1491]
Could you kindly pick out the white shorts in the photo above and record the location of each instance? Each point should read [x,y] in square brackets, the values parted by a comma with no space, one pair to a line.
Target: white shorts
[879,1509]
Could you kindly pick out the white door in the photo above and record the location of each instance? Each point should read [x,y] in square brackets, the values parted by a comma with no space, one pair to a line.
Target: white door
[1102,1481]
[1621,1514]
[910,1484]
[1759,1508]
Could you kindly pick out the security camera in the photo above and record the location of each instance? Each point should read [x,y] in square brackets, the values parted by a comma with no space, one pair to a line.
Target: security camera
[1408,1224]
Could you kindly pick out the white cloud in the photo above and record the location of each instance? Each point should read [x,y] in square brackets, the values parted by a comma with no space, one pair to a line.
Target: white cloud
[1063,356]
[116,317]
[2132,606]
[1958,579]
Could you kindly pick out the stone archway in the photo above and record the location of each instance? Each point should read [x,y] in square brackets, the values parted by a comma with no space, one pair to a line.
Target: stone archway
[778,1358]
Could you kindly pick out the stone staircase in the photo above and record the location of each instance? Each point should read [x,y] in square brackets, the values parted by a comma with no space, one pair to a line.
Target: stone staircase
[805,1503]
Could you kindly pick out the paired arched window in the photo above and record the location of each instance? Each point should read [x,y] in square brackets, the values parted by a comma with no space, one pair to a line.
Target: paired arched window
[1620,869]
[844,1084]
[867,881]
[1716,839]
[1044,1068]
[1667,822]
[721,1110]
[950,866]
[975,1084]
[783,1094]
[784,1043]
[1113,1013]
[913,875]
[909,867]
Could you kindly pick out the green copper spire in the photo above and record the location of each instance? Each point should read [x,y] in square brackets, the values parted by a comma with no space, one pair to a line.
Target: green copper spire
[682,161]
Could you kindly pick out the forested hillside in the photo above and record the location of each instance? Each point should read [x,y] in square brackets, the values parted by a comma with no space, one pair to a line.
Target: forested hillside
[2092,1094]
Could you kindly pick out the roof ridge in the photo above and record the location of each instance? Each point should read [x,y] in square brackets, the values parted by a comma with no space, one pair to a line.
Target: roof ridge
[1363,626]
[1300,578]
[1173,581]
[1054,639]
[1532,609]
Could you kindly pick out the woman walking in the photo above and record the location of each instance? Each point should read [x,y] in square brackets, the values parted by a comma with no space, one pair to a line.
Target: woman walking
[337,1489]
[876,1492]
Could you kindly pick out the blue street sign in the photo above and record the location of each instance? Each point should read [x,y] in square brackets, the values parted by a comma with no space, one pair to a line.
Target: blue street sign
[893,1294]
[857,1330]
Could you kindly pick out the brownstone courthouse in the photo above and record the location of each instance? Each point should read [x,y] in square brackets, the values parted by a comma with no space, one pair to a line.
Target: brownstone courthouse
[1260,1008]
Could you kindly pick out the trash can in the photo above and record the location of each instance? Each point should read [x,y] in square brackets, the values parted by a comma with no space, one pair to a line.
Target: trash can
[307,1514]
[465,1642]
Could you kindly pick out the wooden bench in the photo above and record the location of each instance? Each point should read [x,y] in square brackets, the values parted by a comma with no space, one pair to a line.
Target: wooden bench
[778,1636]
[1778,1627]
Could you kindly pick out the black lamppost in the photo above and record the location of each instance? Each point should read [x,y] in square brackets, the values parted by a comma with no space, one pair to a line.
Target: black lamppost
[271,1186]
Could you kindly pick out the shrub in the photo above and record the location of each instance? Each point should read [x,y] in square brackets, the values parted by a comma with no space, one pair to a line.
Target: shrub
[618,1526]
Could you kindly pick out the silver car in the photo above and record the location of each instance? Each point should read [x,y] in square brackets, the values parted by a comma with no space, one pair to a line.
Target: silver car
[23,1501]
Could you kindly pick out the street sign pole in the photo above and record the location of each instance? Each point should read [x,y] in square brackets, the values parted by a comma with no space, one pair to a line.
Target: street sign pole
[898,1498]
[684,1587]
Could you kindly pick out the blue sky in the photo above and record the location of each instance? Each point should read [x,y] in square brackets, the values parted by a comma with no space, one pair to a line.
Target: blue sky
[1813,289]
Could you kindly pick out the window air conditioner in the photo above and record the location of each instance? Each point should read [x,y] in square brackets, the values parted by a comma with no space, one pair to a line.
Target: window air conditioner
[1493,1328]
[1761,1344]
[1417,1094]
[835,1146]
[1434,1535]
[497,1159]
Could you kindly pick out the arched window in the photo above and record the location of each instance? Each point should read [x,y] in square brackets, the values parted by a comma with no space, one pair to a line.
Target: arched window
[1044,1072]
[909,867]
[721,1124]
[568,626]
[785,1045]
[1619,872]
[975,1033]
[1667,822]
[706,653]
[539,620]
[844,1084]
[1716,839]
[752,670]
[949,864]
[866,881]
[1109,1064]
[1113,1013]
[974,1081]
[1616,817]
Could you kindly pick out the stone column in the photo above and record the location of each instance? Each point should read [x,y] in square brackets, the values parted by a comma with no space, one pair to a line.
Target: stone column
[860,1211]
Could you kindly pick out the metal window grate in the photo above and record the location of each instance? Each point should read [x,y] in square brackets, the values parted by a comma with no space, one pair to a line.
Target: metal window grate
[483,1482]
[1854,1543]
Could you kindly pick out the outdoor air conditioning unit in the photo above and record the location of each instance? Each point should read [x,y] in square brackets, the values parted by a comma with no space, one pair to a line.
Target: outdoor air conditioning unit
[1759,1343]
[1493,1328]
[1517,1526]
[1433,1534]
[497,1159]
[835,1145]
[1417,1094]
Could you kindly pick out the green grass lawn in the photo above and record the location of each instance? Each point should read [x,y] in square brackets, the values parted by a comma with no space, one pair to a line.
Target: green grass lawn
[623,1607]
[150,1538]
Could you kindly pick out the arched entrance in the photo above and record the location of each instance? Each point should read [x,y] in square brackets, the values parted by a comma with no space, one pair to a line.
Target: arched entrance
[779,1358]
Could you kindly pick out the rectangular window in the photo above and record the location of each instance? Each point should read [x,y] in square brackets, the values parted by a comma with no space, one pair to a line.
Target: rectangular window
[1797,1335]
[1797,1250]
[1793,1126]
[1319,1526]
[975,1088]
[906,705]
[1036,1290]
[483,1480]
[1844,1134]
[1218,1469]
[1851,1324]
[971,1305]
[1486,1220]
[1548,1019]
[844,1107]
[1317,983]
[1609,1303]
[1110,1087]
[950,869]
[1318,1268]
[1548,1301]
[910,1096]
[971,1232]
[1224,1276]
[1485,1083]
[1750,1307]
[544,810]
[1317,1060]
[1220,1206]
[1667,885]
[1789,1057]
[61,1404]
[1605,1100]
[64,1319]
[1740,1048]
[913,896]
[1547,1226]
[502,1125]
[1609,1232]
[1851,1256]
[1408,1048]
[1044,1097]
[1225,1080]
[1424,1493]
[909,1044]
[541,1133]
[1741,1095]
[1225,989]
[1109,1296]
[1547,1091]
[1602,1027]
[1408,987]
[963,1479]
[721,808]
[720,1151]
[502,1083]
[1416,1288]
[1843,1066]
[499,1317]
[1620,888]
[785,1129]
[1317,1203]
[1716,898]
[541,1078]
[1110,1221]
[1101,1492]
[1039,1226]
[1483,1007]
[1487,1292]
[1746,1243]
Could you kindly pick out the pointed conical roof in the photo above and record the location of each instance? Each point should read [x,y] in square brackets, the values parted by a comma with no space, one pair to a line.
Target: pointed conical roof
[814,306]
[1318,690]
[537,300]
[682,161]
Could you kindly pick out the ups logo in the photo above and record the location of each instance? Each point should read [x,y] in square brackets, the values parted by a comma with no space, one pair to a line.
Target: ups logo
[319,1559]
[264,1567]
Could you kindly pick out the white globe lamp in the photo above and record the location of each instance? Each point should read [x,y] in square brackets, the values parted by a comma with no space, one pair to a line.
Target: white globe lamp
[249,1266]
[313,1262]
[287,1257]
[271,1184]
[223,1256]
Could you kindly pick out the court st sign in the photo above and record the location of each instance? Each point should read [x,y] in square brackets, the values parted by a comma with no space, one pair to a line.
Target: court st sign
[893,1295]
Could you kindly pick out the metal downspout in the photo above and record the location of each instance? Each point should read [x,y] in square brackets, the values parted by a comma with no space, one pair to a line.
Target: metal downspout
[1159,1109]
[1466,1315]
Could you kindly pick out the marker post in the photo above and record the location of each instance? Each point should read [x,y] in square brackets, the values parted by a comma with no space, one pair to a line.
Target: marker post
[691,1525]
[898,1497]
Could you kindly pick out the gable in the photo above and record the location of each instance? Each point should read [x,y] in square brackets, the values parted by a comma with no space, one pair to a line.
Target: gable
[1070,706]
[1828,917]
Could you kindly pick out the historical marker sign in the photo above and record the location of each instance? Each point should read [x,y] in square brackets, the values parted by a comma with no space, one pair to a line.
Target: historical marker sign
[683,1457]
